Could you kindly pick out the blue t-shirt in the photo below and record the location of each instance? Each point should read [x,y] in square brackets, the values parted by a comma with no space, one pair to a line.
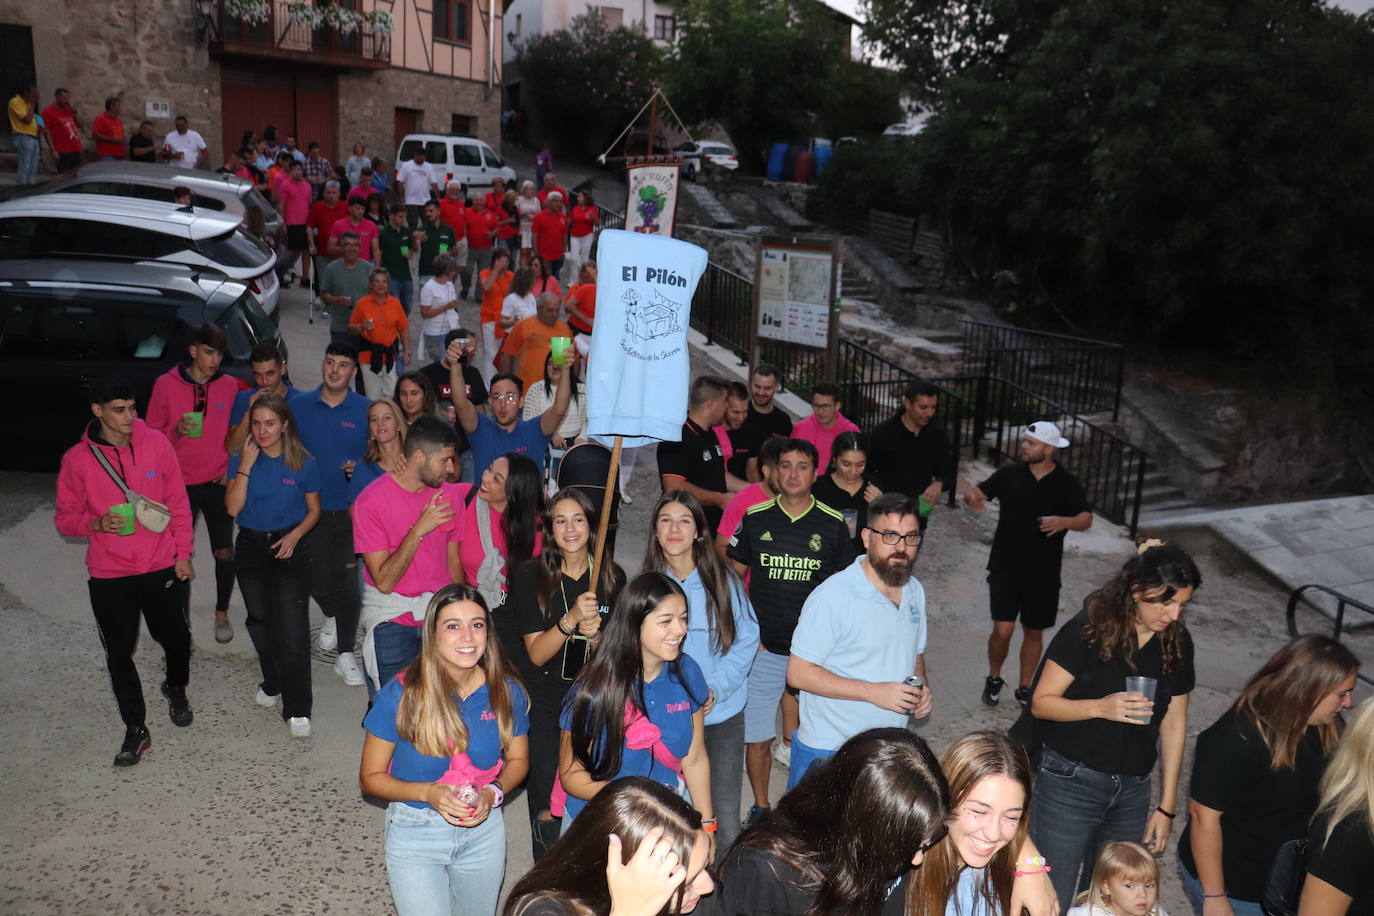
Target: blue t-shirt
[484,732]
[966,901]
[243,397]
[489,441]
[671,704]
[276,494]
[334,435]
[363,475]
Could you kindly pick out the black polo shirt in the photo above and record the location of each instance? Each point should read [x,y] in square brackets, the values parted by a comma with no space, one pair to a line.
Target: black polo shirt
[1019,548]
[698,460]
[904,461]
[787,558]
[767,425]
[746,446]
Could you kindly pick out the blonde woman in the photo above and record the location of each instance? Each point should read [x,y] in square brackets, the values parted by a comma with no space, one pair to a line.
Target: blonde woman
[274,494]
[445,742]
[1341,844]
[386,438]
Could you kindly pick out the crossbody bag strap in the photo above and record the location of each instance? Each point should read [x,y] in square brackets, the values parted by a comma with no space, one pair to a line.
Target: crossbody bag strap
[105,463]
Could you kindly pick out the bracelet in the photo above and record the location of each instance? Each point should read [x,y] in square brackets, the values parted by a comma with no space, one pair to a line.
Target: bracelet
[708,825]
[1213,896]
[1038,871]
[559,624]
[244,474]
[500,795]
[1170,817]
[1032,861]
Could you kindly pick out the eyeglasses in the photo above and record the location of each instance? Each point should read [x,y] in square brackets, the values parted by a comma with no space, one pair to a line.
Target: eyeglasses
[934,840]
[891,537]
[508,398]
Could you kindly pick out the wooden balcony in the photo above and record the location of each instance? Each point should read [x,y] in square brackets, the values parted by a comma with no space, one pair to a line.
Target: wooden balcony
[278,38]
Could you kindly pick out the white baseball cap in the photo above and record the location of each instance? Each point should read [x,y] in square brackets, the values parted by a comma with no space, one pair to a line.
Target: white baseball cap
[1048,433]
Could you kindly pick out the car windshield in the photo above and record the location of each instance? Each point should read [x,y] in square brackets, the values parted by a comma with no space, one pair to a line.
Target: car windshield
[245,324]
[235,249]
[714,150]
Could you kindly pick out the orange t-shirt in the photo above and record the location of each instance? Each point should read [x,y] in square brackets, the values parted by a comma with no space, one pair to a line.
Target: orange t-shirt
[529,343]
[492,298]
[584,294]
[390,321]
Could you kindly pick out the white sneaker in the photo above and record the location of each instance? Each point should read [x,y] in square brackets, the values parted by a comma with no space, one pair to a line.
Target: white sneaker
[267,700]
[782,753]
[625,499]
[346,666]
[329,635]
[300,726]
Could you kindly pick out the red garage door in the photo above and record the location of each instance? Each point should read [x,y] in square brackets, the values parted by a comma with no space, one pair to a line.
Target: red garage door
[303,106]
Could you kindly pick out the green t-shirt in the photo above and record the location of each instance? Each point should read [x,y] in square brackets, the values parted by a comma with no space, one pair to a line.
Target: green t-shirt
[436,237]
[393,261]
[338,280]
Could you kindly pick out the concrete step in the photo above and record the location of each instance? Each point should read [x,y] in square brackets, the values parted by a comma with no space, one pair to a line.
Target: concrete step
[1174,503]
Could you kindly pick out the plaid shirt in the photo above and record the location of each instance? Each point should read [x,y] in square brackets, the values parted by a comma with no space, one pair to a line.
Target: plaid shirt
[318,170]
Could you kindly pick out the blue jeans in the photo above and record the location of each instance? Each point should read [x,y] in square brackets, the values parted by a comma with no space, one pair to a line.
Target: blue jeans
[804,757]
[402,290]
[26,148]
[437,869]
[396,646]
[1074,810]
[725,750]
[1193,889]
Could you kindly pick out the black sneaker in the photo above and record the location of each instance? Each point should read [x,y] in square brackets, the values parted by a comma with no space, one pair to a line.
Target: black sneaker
[1023,696]
[992,690]
[136,744]
[178,707]
[755,812]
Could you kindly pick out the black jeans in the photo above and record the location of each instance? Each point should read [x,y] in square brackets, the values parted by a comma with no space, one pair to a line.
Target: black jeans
[209,499]
[160,597]
[276,595]
[545,705]
[334,574]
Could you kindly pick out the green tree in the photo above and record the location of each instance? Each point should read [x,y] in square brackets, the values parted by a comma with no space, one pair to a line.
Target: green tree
[582,84]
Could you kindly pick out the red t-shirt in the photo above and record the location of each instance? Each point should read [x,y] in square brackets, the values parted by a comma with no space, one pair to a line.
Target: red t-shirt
[107,126]
[478,225]
[322,219]
[550,230]
[584,295]
[367,234]
[295,200]
[509,230]
[451,213]
[584,221]
[545,192]
[359,190]
[66,138]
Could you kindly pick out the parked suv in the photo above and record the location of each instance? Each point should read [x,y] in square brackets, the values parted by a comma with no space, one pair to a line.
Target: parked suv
[694,151]
[468,159]
[149,181]
[63,323]
[103,227]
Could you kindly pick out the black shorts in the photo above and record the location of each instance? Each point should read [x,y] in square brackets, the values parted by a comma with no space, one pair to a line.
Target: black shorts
[296,238]
[1035,603]
[68,161]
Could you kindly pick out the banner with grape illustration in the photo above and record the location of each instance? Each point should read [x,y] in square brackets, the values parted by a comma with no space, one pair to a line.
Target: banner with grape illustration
[652,205]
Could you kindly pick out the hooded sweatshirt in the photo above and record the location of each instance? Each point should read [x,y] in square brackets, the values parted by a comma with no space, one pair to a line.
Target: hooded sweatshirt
[726,674]
[86,492]
[175,394]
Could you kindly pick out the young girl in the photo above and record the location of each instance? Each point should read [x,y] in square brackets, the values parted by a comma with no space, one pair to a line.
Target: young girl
[1125,883]
[445,743]
[274,494]
[722,637]
[543,282]
[636,708]
[415,394]
[847,487]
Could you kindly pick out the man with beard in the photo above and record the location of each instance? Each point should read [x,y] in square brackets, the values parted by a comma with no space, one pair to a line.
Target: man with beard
[861,633]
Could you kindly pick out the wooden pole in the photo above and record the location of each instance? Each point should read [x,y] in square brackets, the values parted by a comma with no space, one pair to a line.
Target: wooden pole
[607,501]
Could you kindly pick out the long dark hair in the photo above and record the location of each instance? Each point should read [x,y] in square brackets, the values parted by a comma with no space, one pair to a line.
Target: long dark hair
[854,823]
[1280,697]
[615,675]
[609,578]
[421,381]
[573,872]
[524,506]
[1156,567]
[569,378]
[847,441]
[718,579]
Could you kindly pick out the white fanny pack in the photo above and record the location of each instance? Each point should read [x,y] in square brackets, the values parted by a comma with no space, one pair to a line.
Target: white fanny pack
[149,513]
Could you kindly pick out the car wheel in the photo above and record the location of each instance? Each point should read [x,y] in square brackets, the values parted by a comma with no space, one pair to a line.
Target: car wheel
[691,172]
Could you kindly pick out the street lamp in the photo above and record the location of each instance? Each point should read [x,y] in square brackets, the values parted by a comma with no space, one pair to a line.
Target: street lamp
[203,17]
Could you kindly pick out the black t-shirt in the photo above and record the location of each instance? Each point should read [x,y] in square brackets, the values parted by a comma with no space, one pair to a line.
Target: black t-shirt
[767,425]
[787,558]
[1113,747]
[1261,809]
[907,462]
[477,393]
[753,883]
[745,446]
[1345,861]
[544,682]
[141,149]
[853,506]
[699,460]
[1019,548]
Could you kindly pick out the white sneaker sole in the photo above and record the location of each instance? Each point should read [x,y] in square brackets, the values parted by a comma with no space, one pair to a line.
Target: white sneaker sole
[265,701]
[352,677]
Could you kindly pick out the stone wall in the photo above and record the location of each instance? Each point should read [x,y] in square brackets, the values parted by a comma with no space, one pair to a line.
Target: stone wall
[367,104]
[137,50]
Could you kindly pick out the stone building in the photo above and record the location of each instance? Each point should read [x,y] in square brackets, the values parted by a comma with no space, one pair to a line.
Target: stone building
[351,71]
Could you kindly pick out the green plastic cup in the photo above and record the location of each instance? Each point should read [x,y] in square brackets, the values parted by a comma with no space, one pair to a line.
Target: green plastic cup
[560,348]
[924,507]
[405,251]
[443,246]
[126,512]
[196,419]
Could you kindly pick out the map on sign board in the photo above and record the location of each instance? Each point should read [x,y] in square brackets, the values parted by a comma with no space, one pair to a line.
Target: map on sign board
[794,295]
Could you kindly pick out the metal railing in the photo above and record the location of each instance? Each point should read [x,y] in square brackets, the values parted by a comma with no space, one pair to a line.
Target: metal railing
[1078,373]
[1111,469]
[1338,619]
[279,33]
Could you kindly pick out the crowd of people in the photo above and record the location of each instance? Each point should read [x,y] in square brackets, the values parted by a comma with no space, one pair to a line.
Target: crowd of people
[775,619]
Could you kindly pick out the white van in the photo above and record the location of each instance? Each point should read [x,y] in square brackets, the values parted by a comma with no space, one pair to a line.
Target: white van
[467,159]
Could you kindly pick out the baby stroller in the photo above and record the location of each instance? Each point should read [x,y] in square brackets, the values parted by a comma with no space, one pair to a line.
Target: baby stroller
[585,466]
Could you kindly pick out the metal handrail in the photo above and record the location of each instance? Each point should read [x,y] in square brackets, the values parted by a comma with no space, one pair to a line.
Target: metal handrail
[1342,601]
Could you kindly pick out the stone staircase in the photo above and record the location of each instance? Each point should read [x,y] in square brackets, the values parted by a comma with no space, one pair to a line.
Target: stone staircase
[1159,493]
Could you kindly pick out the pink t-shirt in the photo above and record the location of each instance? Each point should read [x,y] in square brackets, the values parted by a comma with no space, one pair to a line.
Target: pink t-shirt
[471,551]
[812,431]
[367,232]
[739,504]
[295,201]
[382,516]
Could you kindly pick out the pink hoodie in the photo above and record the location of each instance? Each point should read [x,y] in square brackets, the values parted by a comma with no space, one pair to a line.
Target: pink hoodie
[85,492]
[174,394]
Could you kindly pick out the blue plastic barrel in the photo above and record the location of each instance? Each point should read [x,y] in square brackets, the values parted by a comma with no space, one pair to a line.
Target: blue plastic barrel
[823,156]
[777,157]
